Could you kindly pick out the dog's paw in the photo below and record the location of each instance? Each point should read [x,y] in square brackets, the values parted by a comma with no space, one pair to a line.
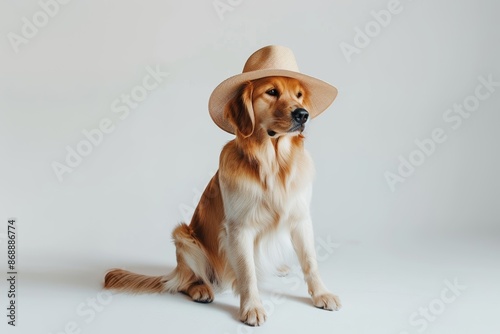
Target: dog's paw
[253,316]
[201,293]
[327,301]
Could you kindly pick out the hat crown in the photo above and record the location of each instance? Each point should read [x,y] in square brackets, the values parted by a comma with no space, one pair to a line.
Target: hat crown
[271,57]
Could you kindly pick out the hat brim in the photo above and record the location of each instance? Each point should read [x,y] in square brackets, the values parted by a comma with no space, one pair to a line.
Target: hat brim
[321,93]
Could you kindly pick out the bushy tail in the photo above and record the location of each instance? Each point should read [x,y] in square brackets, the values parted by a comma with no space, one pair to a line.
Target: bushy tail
[192,266]
[122,280]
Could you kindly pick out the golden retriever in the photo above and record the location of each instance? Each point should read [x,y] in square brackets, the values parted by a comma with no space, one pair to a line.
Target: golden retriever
[263,185]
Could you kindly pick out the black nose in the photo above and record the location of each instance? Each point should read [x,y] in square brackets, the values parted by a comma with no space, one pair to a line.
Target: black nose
[300,115]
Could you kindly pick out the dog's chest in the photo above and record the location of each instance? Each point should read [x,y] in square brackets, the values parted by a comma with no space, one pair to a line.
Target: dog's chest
[277,192]
[287,192]
[283,201]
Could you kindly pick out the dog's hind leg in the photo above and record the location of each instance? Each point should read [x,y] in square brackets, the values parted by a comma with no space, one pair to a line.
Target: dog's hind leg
[200,292]
[194,274]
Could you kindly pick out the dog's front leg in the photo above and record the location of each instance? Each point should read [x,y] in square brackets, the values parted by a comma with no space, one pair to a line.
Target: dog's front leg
[240,252]
[303,242]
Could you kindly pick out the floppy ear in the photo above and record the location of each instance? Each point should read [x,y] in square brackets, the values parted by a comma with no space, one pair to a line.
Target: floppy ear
[239,111]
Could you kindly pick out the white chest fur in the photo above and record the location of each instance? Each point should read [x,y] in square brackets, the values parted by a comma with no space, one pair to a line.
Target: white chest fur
[280,196]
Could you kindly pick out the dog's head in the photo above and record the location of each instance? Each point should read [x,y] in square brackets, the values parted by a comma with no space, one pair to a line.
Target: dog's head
[272,106]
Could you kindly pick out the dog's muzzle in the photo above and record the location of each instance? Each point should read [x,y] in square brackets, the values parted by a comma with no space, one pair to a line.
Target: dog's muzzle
[300,115]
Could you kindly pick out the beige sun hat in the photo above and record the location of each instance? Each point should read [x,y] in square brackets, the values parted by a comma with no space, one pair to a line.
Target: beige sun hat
[272,60]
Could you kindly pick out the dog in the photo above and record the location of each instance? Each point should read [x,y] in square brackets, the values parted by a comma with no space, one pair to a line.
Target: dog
[263,185]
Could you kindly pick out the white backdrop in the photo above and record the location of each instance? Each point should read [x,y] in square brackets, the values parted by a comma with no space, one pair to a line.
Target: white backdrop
[407,157]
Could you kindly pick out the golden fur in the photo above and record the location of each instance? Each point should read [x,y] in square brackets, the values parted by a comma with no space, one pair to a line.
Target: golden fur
[263,184]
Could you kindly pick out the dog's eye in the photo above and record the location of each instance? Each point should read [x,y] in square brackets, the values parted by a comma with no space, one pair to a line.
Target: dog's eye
[299,94]
[272,92]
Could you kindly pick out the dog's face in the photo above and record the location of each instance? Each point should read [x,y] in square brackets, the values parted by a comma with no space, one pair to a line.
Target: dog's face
[274,105]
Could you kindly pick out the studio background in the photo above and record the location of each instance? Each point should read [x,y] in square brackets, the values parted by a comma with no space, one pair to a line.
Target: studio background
[387,251]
